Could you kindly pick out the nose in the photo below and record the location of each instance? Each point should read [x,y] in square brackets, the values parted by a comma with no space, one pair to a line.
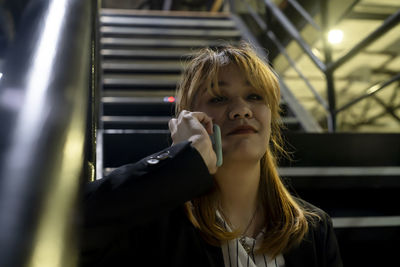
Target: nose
[240,109]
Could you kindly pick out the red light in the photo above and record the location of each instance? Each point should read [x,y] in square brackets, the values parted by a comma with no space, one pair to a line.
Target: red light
[171,99]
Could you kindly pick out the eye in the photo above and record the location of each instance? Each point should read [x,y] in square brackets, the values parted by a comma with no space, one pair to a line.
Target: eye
[217,99]
[255,97]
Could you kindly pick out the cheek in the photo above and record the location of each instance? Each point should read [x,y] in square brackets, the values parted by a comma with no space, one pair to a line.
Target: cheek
[266,119]
[218,118]
[215,113]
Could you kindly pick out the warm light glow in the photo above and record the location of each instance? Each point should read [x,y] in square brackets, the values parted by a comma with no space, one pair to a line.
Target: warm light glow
[169,99]
[335,36]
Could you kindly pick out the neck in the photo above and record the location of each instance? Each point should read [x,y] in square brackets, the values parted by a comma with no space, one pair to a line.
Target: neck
[238,188]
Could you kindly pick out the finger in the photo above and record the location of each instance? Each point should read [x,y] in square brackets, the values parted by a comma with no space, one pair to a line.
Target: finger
[205,120]
[184,114]
[172,125]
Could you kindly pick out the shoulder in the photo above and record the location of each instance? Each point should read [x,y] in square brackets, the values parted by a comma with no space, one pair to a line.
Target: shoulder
[320,239]
[315,214]
[320,228]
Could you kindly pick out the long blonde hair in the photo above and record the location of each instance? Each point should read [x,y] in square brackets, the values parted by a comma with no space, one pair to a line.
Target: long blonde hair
[285,220]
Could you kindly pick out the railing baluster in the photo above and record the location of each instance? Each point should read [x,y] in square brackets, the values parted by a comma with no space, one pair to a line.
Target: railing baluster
[294,33]
[42,136]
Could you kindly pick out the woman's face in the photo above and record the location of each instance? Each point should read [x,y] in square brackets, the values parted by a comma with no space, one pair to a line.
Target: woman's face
[241,113]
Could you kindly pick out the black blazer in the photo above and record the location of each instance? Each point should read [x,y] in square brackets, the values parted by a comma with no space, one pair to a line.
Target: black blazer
[135,217]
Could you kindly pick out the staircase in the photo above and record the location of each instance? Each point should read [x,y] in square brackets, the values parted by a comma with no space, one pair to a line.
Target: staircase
[354,177]
[143,55]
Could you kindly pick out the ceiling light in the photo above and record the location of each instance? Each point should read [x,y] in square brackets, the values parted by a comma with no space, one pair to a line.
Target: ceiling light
[1,75]
[335,36]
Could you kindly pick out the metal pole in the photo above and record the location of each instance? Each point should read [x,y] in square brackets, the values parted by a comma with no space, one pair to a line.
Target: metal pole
[388,24]
[93,117]
[304,13]
[43,108]
[232,6]
[330,84]
[167,5]
[369,92]
[294,33]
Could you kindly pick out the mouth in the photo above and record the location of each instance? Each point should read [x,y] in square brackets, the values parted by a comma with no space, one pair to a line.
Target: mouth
[243,129]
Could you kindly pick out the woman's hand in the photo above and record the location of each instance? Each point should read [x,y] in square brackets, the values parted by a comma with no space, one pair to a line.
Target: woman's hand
[195,127]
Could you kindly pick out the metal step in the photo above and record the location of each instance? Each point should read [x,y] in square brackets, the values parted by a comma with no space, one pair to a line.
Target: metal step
[136,122]
[343,149]
[174,67]
[149,54]
[291,123]
[343,177]
[155,43]
[136,100]
[152,119]
[140,81]
[122,93]
[163,14]
[108,20]
[137,119]
[108,31]
[139,107]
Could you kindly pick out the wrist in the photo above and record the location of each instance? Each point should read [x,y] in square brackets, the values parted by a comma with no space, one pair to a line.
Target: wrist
[204,147]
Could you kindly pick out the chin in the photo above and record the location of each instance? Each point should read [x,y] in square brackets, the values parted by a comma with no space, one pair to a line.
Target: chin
[241,155]
[243,149]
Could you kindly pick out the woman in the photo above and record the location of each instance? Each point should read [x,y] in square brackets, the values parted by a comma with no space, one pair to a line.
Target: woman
[177,208]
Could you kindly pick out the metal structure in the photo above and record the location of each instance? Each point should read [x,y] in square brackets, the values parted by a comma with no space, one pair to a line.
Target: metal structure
[329,66]
[49,107]
[44,96]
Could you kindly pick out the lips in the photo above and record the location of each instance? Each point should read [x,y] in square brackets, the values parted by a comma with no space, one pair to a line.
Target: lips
[243,129]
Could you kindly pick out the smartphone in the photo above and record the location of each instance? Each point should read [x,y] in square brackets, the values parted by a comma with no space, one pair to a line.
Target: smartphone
[216,143]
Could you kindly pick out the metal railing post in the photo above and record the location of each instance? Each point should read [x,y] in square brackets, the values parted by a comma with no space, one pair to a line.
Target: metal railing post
[43,110]
[232,6]
[330,83]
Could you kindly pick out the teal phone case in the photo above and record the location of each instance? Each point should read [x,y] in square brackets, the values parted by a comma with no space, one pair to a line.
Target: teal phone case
[216,142]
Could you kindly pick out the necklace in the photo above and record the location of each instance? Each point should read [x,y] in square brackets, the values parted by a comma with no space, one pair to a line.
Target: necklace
[250,222]
[242,239]
[246,247]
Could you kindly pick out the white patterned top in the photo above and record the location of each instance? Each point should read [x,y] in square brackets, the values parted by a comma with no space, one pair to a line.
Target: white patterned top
[240,252]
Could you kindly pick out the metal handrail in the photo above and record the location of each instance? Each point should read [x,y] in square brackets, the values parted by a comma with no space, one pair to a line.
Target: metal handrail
[304,14]
[329,66]
[293,64]
[271,35]
[388,24]
[43,110]
[369,92]
[294,33]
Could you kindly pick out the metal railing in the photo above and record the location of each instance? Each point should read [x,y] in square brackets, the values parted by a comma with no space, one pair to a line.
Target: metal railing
[44,96]
[329,66]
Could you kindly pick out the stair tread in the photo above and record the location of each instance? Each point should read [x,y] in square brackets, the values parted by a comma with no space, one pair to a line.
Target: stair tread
[136,119]
[149,31]
[143,66]
[340,171]
[166,22]
[135,100]
[366,222]
[151,42]
[289,120]
[132,79]
[138,93]
[164,14]
[147,53]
